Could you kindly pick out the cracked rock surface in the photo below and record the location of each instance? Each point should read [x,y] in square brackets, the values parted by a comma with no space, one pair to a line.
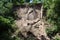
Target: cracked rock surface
[31,22]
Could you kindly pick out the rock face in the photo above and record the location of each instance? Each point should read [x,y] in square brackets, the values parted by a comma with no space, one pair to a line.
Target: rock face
[31,21]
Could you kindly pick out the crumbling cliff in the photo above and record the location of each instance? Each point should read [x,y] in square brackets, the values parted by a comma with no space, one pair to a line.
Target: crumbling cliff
[30,19]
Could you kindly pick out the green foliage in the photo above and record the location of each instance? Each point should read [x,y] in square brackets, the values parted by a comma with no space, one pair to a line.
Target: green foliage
[53,12]
[5,6]
[2,19]
[57,37]
[27,0]
[9,5]
[6,20]
[6,28]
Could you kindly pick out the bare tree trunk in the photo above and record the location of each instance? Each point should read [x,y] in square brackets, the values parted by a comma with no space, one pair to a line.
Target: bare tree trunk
[41,11]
